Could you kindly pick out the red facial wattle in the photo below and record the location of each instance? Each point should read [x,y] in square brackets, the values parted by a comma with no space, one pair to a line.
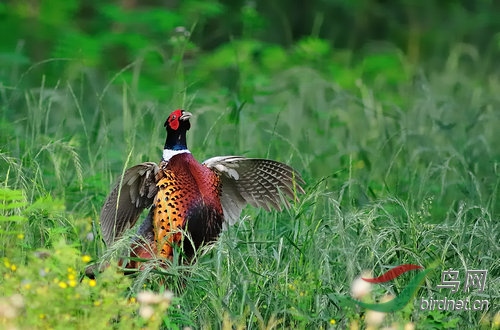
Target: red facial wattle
[173,119]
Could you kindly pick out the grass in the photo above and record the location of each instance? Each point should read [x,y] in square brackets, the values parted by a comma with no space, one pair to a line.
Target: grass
[395,174]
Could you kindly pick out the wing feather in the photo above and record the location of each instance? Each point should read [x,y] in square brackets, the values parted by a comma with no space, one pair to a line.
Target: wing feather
[255,181]
[129,197]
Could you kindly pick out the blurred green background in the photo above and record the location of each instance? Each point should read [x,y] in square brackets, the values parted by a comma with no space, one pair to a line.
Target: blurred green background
[329,82]
[109,35]
[112,33]
[388,109]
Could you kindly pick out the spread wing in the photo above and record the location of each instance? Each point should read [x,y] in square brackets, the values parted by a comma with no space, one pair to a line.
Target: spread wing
[254,181]
[134,191]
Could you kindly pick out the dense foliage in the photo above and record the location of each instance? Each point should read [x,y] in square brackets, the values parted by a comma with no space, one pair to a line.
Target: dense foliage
[388,109]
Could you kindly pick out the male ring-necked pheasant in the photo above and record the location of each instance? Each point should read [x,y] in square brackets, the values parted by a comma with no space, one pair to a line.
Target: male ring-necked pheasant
[188,197]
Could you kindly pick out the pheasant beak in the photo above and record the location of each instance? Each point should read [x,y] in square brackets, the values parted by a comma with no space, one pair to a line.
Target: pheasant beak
[185,115]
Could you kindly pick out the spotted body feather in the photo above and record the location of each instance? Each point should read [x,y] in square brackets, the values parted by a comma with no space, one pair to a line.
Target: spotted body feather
[187,193]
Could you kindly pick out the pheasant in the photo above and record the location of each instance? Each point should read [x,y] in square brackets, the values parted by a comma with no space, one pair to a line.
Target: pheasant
[190,199]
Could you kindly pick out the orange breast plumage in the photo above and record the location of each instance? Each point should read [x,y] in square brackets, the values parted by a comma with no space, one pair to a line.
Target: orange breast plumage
[188,199]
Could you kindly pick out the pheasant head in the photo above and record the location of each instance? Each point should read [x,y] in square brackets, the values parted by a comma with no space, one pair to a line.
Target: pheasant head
[177,124]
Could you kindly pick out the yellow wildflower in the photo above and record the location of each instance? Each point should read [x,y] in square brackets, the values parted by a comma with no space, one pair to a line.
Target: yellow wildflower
[86,258]
[63,285]
[92,283]
[496,320]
